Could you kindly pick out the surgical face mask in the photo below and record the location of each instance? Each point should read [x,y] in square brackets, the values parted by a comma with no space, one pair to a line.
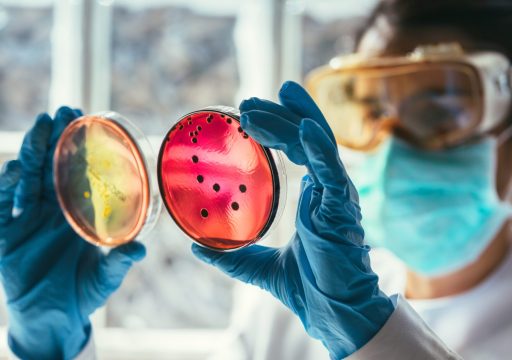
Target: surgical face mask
[437,211]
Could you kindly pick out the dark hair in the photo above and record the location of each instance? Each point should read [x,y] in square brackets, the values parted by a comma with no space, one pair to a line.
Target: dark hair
[487,23]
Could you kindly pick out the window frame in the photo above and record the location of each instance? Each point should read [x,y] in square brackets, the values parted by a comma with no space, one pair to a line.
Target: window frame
[81,63]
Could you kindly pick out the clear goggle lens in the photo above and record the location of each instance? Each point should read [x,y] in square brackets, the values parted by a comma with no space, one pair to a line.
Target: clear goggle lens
[430,105]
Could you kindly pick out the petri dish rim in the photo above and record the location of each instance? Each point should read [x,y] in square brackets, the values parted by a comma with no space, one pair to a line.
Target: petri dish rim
[277,171]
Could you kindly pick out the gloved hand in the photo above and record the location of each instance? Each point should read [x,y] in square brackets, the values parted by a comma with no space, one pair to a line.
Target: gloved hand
[323,275]
[53,279]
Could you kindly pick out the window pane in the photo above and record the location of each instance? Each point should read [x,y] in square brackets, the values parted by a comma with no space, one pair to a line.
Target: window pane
[24,73]
[329,28]
[168,61]
[24,64]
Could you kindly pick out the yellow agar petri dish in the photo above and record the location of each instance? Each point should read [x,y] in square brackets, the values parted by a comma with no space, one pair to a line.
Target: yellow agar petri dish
[102,179]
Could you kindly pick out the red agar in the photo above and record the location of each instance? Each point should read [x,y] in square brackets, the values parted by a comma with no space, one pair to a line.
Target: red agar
[219,185]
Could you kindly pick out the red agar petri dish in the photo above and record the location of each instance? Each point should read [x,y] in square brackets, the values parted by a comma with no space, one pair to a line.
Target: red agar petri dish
[220,186]
[102,179]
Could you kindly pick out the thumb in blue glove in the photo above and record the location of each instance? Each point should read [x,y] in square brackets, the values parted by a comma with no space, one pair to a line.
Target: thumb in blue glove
[323,275]
[53,279]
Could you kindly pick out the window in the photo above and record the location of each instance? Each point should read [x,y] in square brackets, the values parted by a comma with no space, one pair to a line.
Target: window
[329,28]
[169,59]
[25,63]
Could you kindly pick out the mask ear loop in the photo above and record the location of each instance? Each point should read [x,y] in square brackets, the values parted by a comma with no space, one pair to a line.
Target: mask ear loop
[504,136]
[501,139]
[507,133]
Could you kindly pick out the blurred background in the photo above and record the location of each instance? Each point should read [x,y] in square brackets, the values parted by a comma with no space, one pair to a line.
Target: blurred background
[153,61]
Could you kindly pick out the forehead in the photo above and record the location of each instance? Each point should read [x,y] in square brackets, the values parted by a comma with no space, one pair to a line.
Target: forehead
[385,39]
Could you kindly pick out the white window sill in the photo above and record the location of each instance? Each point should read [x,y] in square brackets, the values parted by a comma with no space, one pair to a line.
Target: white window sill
[127,344]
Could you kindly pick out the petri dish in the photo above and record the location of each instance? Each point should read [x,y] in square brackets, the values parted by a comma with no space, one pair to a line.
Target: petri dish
[223,189]
[103,179]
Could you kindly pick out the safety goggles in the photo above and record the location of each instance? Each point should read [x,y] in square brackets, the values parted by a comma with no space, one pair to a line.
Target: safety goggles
[435,97]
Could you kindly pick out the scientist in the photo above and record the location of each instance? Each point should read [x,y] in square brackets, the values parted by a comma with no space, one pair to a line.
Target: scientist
[432,190]
[434,197]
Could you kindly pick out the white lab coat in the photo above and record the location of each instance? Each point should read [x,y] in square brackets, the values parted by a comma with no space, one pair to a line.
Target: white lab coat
[476,324]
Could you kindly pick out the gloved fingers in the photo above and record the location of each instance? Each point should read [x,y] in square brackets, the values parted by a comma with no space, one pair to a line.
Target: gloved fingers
[107,273]
[255,103]
[327,167]
[9,178]
[114,265]
[297,99]
[273,131]
[32,159]
[254,264]
[63,117]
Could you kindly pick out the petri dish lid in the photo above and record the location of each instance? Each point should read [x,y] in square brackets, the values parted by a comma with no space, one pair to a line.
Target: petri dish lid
[102,179]
[223,189]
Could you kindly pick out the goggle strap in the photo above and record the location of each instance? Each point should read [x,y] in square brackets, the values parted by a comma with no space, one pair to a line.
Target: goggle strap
[505,81]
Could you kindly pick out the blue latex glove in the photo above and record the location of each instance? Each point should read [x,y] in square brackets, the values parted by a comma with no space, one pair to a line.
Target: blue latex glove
[53,279]
[323,275]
